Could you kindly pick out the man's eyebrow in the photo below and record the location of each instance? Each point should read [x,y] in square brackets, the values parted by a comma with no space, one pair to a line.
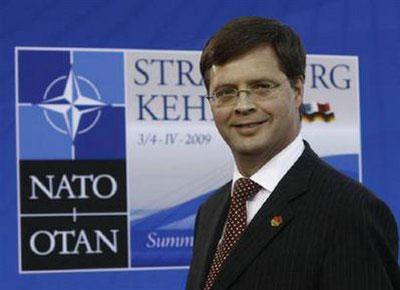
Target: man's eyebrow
[225,85]
[248,82]
[260,80]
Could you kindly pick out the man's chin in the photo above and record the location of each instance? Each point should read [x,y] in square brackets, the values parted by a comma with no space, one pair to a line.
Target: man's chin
[244,149]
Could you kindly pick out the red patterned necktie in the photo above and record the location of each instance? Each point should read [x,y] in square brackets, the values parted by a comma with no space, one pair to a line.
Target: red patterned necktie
[243,189]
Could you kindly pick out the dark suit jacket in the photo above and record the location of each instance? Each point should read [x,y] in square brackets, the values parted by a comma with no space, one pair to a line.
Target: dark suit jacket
[335,235]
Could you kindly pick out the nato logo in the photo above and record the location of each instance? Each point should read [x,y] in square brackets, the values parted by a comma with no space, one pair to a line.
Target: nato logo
[72,177]
[71,104]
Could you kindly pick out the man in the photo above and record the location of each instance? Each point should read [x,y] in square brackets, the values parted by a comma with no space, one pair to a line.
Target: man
[288,220]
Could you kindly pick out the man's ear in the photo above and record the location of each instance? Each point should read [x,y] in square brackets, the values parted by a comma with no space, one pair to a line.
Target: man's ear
[298,88]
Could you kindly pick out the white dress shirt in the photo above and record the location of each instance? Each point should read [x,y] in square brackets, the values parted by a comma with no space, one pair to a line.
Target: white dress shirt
[270,174]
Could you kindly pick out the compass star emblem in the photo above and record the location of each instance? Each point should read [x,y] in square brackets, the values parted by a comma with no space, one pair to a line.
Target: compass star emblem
[72,105]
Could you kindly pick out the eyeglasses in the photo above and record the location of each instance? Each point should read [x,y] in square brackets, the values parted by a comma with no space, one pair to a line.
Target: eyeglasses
[258,92]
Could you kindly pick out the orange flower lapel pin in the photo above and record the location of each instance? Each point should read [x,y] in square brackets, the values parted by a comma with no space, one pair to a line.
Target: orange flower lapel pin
[276,221]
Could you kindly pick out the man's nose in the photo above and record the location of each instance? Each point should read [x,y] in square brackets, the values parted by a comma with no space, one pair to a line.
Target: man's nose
[244,103]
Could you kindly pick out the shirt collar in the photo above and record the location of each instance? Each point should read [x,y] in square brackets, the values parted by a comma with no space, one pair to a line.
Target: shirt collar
[269,175]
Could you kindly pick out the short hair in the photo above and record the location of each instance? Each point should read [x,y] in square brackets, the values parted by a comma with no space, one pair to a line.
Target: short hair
[243,34]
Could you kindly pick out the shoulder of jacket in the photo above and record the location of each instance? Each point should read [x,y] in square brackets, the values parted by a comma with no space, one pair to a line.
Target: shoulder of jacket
[346,194]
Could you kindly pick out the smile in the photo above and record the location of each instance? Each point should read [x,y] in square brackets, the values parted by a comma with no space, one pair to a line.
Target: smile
[249,129]
[249,125]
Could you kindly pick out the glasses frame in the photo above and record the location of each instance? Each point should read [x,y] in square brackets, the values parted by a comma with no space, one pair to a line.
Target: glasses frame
[249,92]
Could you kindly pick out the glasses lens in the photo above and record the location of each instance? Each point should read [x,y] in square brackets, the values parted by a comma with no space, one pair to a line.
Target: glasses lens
[225,95]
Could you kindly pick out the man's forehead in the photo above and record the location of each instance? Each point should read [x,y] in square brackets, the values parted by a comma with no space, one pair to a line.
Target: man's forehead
[254,65]
[264,52]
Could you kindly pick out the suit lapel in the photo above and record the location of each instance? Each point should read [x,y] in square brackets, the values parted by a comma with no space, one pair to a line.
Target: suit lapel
[260,231]
[211,237]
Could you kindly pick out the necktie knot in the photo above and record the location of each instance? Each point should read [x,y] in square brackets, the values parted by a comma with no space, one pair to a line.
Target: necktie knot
[245,188]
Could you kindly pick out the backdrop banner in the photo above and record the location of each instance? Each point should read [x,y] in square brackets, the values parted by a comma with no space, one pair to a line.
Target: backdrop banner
[117,149]
[108,146]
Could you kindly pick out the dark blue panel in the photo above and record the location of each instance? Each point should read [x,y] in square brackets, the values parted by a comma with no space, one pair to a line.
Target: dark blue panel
[37,69]
[106,140]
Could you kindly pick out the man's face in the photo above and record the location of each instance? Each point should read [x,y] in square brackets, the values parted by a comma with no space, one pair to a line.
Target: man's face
[260,127]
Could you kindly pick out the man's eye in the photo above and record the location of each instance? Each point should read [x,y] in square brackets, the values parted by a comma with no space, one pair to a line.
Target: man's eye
[225,92]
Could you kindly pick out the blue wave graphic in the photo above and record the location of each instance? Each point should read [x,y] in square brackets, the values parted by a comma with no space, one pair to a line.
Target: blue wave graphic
[172,214]
[152,245]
